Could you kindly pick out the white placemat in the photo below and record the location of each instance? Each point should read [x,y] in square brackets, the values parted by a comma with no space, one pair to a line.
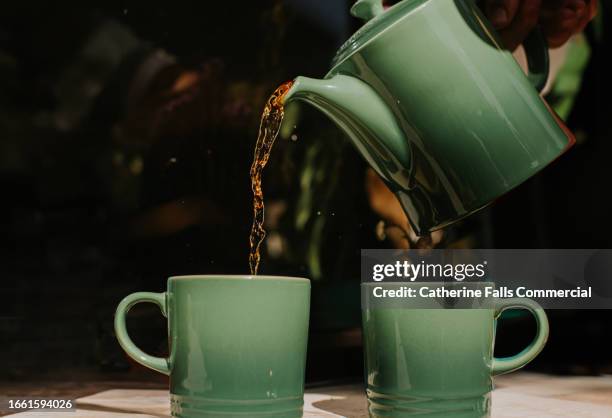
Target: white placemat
[509,402]
[81,413]
[157,402]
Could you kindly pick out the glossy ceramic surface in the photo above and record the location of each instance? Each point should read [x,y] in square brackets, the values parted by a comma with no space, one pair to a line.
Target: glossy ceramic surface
[444,115]
[237,344]
[437,363]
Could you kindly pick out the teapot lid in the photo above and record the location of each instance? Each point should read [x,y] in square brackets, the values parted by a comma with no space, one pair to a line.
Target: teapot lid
[378,19]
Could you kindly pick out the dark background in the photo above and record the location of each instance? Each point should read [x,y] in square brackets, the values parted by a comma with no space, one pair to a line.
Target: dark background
[126,133]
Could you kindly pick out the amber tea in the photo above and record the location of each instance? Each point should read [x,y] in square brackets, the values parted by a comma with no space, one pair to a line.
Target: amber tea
[270,124]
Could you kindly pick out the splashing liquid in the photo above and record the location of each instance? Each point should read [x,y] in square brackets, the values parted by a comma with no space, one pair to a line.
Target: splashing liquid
[270,124]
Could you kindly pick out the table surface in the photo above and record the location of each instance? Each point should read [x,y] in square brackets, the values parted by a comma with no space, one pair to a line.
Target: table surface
[521,395]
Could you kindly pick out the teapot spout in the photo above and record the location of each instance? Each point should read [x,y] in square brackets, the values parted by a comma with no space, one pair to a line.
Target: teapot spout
[365,117]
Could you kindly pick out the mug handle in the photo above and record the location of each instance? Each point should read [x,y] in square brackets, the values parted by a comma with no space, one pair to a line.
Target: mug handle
[158,364]
[512,363]
[538,59]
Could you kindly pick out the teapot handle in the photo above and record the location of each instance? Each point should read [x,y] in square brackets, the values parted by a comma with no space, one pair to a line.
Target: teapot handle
[538,60]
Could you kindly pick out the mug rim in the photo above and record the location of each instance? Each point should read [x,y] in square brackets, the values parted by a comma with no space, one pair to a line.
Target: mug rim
[239,277]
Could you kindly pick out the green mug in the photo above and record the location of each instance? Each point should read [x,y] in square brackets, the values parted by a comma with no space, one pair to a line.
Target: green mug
[438,108]
[237,344]
[423,360]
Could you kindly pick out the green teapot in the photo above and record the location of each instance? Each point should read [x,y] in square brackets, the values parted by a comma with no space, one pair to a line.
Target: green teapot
[438,108]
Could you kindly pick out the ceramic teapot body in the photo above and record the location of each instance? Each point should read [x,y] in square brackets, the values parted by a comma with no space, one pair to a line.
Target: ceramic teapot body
[444,115]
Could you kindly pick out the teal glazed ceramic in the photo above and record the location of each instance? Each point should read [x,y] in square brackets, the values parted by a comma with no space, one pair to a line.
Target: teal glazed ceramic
[425,361]
[443,114]
[237,344]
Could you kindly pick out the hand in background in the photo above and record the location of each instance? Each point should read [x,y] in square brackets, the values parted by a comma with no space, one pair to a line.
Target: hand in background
[559,19]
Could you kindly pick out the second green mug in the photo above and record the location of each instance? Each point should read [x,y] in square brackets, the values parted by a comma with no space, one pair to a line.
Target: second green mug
[425,361]
[237,344]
